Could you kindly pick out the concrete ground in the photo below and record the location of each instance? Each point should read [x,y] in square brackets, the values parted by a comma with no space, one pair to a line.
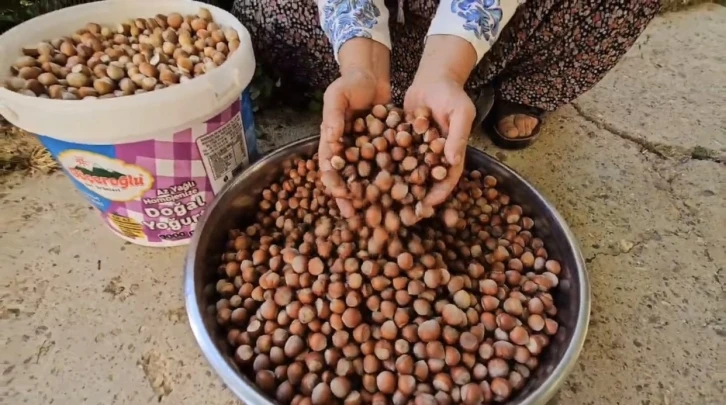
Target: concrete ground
[637,166]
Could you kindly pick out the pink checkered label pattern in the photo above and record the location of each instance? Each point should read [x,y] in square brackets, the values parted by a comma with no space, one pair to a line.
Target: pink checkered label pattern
[154,192]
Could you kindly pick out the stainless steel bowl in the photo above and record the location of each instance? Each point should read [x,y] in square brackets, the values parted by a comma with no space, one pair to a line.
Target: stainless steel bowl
[238,201]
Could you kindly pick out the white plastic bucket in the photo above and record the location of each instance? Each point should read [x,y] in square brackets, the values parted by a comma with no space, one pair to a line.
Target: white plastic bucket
[150,162]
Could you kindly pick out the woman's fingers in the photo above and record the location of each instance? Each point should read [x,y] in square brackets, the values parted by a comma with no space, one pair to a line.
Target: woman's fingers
[324,152]
[441,190]
[460,121]
[335,105]
[410,100]
[330,177]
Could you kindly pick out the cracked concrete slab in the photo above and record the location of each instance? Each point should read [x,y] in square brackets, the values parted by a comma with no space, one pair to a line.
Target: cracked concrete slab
[656,331]
[652,232]
[701,187]
[597,181]
[88,318]
[668,90]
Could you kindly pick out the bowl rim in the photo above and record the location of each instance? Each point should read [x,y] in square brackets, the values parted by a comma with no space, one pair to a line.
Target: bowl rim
[251,395]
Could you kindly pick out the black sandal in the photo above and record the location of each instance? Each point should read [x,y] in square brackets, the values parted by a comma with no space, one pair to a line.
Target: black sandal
[504,109]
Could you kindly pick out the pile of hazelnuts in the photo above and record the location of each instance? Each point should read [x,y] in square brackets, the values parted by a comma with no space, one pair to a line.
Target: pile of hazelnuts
[322,309]
[136,56]
[390,162]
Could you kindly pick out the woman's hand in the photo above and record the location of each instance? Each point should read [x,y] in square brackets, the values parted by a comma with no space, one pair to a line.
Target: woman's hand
[363,83]
[445,66]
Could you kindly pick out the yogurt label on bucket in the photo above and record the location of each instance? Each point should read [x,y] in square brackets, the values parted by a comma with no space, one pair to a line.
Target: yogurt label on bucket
[154,191]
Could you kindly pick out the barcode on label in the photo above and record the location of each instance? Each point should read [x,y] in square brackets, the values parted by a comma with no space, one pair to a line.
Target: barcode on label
[223,150]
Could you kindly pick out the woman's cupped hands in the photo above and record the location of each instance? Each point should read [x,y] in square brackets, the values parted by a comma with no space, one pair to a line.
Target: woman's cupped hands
[365,82]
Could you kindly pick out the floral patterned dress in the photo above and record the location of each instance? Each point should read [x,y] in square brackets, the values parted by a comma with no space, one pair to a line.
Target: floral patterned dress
[541,53]
[478,22]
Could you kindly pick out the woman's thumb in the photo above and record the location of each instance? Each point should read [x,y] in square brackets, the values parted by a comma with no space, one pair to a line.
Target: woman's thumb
[460,122]
[334,106]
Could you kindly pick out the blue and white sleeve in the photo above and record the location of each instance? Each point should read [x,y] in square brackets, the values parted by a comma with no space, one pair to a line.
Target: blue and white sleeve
[478,21]
[342,20]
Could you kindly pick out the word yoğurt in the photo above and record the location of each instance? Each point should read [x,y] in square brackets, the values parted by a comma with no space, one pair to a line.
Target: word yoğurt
[177,217]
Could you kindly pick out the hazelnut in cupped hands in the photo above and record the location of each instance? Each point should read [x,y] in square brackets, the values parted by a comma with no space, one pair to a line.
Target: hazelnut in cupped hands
[406,155]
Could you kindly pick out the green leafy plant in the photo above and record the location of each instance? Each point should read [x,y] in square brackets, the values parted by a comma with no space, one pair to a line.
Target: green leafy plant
[15,12]
[263,88]
[270,89]
[315,100]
